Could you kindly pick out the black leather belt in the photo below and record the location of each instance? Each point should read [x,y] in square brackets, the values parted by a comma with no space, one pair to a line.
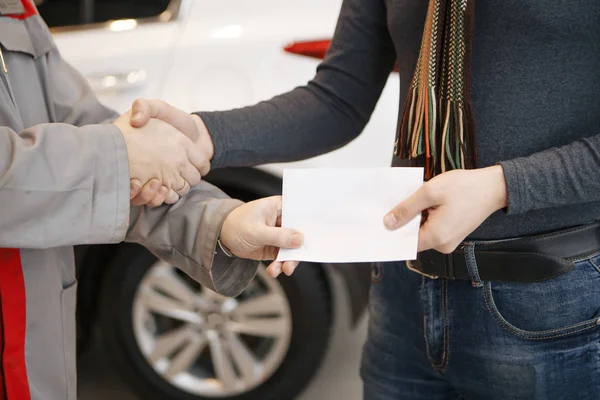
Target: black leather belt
[527,259]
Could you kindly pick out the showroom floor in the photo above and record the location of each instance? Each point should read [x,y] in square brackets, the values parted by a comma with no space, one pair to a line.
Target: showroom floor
[338,378]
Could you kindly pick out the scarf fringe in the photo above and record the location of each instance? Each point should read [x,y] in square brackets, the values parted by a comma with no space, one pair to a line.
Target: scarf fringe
[437,130]
[439,137]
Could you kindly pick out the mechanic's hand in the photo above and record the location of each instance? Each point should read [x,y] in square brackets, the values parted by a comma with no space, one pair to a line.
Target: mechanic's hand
[253,231]
[192,126]
[455,204]
[159,151]
[151,193]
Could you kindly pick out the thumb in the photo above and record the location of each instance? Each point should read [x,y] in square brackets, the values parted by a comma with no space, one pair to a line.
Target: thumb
[405,211]
[280,237]
[141,113]
[144,109]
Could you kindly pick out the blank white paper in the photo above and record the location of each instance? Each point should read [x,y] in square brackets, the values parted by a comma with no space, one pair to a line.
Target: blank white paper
[340,212]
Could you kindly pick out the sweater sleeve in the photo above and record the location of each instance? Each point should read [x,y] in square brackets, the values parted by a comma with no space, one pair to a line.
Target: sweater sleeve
[324,115]
[554,177]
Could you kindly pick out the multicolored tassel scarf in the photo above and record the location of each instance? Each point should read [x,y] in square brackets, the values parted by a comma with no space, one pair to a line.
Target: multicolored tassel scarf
[437,130]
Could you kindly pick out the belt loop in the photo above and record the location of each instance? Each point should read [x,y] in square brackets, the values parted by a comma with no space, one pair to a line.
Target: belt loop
[469,249]
[449,266]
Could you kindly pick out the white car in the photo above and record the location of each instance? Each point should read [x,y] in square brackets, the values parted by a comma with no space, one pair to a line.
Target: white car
[169,338]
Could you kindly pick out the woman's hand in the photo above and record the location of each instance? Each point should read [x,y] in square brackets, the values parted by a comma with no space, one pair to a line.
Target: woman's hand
[455,204]
[254,231]
[142,111]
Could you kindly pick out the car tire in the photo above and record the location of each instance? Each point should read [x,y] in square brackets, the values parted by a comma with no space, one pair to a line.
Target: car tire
[309,302]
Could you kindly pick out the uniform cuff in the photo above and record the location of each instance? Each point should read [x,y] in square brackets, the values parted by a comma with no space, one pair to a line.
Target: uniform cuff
[110,202]
[228,276]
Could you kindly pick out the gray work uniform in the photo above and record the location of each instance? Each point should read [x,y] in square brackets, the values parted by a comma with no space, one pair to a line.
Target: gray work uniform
[64,181]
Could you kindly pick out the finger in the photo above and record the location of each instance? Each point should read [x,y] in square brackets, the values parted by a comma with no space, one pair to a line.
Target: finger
[159,199]
[425,242]
[429,237]
[176,183]
[289,267]
[405,211]
[172,197]
[135,185]
[271,207]
[144,109]
[270,253]
[191,175]
[204,168]
[448,247]
[198,157]
[181,187]
[280,237]
[148,192]
[274,269]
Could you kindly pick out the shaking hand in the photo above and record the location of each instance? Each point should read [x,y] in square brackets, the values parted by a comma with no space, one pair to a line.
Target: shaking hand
[145,110]
[160,152]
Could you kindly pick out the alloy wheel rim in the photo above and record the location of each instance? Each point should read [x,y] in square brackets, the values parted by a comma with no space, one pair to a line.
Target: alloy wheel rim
[206,344]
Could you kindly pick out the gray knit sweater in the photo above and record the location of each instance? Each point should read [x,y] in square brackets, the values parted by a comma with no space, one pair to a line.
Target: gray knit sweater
[536,98]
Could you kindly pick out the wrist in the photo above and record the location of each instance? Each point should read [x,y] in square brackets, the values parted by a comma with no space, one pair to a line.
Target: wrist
[224,248]
[225,237]
[498,190]
[203,135]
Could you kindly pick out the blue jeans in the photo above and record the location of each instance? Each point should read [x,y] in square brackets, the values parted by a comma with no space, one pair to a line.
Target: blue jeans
[436,339]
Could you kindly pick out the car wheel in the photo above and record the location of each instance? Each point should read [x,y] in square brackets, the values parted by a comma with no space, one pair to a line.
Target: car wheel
[170,338]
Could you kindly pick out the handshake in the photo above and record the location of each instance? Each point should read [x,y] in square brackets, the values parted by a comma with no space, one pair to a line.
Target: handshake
[169,151]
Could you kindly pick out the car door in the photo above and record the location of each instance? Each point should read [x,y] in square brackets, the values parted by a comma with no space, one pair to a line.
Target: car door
[123,47]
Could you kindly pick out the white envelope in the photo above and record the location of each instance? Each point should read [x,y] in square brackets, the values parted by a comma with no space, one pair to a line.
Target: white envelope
[340,212]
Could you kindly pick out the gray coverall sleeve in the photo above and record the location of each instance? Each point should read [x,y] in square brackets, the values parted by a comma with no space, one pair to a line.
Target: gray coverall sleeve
[66,182]
[73,100]
[185,235]
[61,185]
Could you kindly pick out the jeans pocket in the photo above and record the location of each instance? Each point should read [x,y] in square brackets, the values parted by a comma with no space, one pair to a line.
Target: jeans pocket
[555,308]
[595,261]
[377,272]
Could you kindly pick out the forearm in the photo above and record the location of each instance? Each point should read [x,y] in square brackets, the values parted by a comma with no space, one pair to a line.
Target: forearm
[290,127]
[555,177]
[186,234]
[62,185]
[325,114]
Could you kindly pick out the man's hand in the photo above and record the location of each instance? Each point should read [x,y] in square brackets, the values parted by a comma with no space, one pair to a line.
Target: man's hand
[253,231]
[192,126]
[455,204]
[160,153]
